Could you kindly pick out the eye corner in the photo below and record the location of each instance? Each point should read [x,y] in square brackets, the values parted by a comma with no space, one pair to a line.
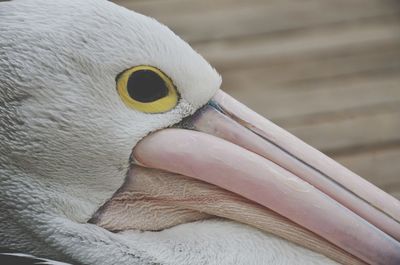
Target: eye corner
[119,76]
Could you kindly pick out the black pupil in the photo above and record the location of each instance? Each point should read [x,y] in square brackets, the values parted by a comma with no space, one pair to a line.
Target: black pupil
[146,86]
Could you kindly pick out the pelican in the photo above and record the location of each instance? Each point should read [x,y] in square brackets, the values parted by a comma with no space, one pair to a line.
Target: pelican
[118,146]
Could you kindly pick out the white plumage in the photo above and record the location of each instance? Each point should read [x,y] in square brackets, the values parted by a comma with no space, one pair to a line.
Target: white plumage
[65,137]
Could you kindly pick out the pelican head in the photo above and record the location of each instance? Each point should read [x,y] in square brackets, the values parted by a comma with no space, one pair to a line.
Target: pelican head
[112,125]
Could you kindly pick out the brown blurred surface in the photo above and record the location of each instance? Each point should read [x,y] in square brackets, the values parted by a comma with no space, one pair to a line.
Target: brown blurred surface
[327,71]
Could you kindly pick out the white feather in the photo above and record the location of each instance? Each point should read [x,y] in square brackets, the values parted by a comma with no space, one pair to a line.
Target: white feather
[66,137]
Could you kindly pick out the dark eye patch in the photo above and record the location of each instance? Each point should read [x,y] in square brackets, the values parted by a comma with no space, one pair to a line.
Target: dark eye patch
[146,86]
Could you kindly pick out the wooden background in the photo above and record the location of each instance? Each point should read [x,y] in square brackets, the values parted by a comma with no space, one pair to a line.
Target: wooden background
[327,71]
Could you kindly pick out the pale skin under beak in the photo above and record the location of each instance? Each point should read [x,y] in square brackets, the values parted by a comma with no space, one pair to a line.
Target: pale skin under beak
[234,148]
[154,200]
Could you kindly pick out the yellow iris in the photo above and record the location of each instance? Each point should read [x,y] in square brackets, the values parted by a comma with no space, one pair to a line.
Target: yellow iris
[147,89]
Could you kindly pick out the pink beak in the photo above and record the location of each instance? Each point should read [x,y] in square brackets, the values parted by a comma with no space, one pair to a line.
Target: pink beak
[229,145]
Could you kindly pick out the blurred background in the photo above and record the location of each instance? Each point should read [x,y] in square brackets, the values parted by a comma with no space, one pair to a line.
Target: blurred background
[327,71]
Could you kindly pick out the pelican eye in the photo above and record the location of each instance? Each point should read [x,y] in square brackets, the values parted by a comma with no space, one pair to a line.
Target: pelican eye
[147,89]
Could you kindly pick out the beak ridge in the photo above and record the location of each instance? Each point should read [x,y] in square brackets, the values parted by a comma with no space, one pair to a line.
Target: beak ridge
[236,149]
